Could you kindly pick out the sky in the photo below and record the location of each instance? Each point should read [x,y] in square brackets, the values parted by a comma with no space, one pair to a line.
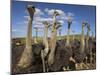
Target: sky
[44,12]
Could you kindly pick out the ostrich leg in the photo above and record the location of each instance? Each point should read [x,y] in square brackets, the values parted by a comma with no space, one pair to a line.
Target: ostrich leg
[26,58]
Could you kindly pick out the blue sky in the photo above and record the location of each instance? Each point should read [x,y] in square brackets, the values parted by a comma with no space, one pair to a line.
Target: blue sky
[44,12]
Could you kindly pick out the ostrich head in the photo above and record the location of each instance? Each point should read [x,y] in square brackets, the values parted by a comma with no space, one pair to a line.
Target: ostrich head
[69,20]
[55,23]
[56,26]
[31,10]
[46,24]
[56,13]
[88,27]
[84,23]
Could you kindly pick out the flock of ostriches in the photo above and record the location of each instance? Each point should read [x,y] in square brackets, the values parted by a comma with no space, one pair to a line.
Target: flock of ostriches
[53,55]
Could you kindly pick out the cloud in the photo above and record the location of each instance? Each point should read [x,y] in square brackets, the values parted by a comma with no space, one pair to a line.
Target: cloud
[39,16]
[46,9]
[26,17]
[63,15]
[38,12]
[23,22]
[42,19]
[61,21]
[51,11]
[70,14]
[38,26]
[39,21]
[16,30]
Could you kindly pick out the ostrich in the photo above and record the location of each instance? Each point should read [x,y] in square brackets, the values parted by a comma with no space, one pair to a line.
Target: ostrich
[92,47]
[53,39]
[26,58]
[87,38]
[59,55]
[82,37]
[87,42]
[46,45]
[80,53]
[32,56]
[69,21]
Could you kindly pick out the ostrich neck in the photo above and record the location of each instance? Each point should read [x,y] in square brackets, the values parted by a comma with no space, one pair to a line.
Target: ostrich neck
[53,42]
[45,33]
[88,34]
[67,38]
[36,35]
[82,30]
[46,38]
[87,38]
[29,34]
[53,38]
[82,40]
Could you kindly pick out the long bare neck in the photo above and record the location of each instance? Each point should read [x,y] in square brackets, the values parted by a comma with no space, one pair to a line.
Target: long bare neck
[53,36]
[46,37]
[67,38]
[87,38]
[53,40]
[82,40]
[29,34]
[45,33]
